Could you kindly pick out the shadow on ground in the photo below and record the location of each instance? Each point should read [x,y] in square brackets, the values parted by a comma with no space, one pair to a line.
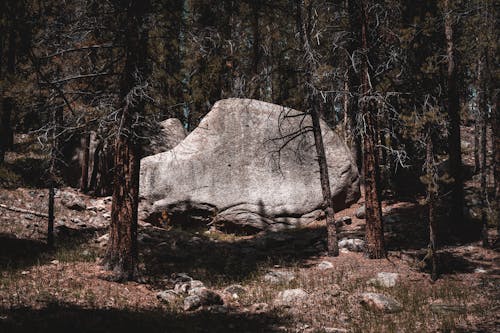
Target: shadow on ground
[22,253]
[69,318]
[212,260]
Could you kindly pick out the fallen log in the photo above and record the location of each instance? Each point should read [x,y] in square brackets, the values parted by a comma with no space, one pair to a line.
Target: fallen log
[24,211]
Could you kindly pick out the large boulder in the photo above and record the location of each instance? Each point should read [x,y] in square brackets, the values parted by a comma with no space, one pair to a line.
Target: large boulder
[249,165]
[170,134]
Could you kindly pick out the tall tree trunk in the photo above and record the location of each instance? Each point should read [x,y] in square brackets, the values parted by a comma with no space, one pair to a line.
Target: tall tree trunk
[256,47]
[333,248]
[122,252]
[431,204]
[375,244]
[315,108]
[453,106]
[483,127]
[84,179]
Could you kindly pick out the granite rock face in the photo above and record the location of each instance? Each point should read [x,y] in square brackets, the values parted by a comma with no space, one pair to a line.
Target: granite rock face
[246,168]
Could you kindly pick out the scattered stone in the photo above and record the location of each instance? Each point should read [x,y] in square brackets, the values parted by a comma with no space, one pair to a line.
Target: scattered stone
[180,277]
[107,216]
[192,303]
[361,212]
[73,202]
[55,262]
[25,272]
[103,240]
[334,330]
[279,277]
[201,297]
[291,296]
[345,220]
[235,290]
[444,308]
[352,244]
[168,296]
[325,265]
[29,217]
[380,302]
[258,307]
[480,270]
[385,279]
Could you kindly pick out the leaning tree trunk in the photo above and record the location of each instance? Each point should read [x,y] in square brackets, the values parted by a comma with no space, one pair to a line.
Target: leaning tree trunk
[122,252]
[375,244]
[453,106]
[313,105]
[333,248]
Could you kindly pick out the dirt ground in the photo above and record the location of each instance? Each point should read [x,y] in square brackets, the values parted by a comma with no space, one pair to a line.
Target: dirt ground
[68,289]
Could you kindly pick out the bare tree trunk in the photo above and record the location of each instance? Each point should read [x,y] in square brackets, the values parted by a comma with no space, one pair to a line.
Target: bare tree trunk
[256,46]
[482,121]
[333,248]
[375,244]
[122,252]
[453,106]
[84,179]
[6,133]
[431,203]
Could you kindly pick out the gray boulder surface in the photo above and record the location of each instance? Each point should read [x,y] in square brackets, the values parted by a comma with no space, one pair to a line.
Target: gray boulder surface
[170,134]
[243,169]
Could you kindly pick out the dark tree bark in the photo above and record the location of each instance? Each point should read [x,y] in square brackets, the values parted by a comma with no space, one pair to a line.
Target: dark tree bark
[333,248]
[6,133]
[375,245]
[122,252]
[256,5]
[483,127]
[315,108]
[431,204]
[453,108]
[84,179]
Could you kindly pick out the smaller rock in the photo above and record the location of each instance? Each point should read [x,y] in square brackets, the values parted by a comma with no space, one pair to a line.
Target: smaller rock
[180,277]
[325,265]
[334,330]
[346,220]
[73,202]
[379,302]
[361,212]
[192,303]
[480,270]
[168,296]
[29,217]
[103,239]
[352,244]
[55,262]
[291,296]
[279,277]
[235,290]
[107,216]
[385,279]
[444,308]
[258,307]
[207,296]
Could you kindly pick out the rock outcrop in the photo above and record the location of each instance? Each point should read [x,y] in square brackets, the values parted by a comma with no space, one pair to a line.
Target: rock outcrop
[249,165]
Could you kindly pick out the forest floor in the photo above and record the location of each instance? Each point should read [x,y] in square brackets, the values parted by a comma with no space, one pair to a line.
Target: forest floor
[67,289]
